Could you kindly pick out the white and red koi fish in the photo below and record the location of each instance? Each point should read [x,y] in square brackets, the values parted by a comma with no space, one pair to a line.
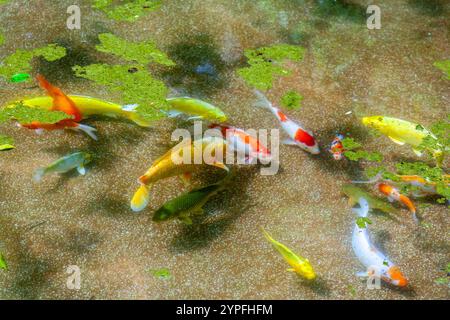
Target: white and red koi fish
[394,194]
[297,134]
[243,143]
[370,256]
[337,148]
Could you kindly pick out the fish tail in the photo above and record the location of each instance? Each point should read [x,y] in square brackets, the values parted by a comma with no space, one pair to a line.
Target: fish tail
[90,131]
[262,101]
[38,174]
[133,115]
[141,198]
[267,235]
[136,118]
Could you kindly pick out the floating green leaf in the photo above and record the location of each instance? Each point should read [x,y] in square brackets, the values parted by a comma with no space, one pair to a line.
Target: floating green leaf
[3,264]
[363,221]
[142,52]
[26,114]
[444,66]
[6,143]
[137,87]
[20,77]
[163,273]
[291,100]
[266,63]
[20,61]
[129,10]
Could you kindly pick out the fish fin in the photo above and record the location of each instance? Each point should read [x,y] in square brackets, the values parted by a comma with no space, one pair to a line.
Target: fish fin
[136,118]
[38,174]
[262,101]
[221,165]
[130,107]
[250,159]
[185,219]
[141,198]
[173,113]
[416,220]
[362,274]
[194,118]
[81,170]
[417,152]
[289,142]
[39,131]
[290,270]
[90,131]
[399,142]
[390,199]
[186,178]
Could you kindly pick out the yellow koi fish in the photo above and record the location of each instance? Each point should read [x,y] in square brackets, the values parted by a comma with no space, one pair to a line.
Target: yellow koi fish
[173,163]
[401,132]
[89,106]
[299,265]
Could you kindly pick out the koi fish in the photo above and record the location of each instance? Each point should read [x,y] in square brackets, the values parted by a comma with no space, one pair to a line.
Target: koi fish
[60,102]
[89,107]
[200,110]
[76,160]
[354,194]
[426,187]
[401,132]
[370,256]
[172,164]
[297,134]
[394,194]
[337,148]
[298,264]
[188,204]
[244,143]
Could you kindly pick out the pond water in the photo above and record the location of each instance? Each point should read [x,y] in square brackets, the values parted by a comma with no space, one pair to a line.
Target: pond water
[86,221]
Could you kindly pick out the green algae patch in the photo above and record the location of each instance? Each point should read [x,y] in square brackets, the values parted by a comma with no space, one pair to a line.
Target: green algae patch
[3,264]
[6,143]
[26,115]
[2,39]
[441,130]
[142,52]
[444,66]
[362,222]
[20,61]
[291,100]
[136,87]
[163,273]
[266,63]
[351,152]
[129,11]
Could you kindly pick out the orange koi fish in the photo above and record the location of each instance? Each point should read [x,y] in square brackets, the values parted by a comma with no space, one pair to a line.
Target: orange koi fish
[61,102]
[394,194]
[336,148]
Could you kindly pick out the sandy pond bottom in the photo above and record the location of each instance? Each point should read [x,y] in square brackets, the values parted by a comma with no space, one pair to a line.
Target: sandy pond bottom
[86,221]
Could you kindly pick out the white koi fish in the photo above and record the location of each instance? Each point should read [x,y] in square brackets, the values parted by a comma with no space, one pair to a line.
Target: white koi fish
[297,134]
[370,256]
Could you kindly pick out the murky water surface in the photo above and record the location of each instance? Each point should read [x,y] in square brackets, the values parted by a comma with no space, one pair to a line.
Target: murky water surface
[86,221]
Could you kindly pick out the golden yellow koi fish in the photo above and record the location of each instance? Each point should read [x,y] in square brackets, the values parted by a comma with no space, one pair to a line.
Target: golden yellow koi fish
[174,163]
[299,265]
